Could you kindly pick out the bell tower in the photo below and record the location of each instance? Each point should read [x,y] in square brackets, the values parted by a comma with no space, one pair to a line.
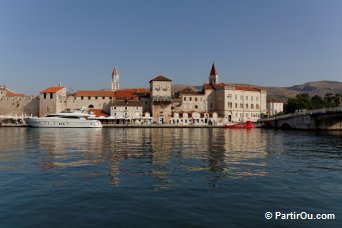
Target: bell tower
[213,77]
[115,79]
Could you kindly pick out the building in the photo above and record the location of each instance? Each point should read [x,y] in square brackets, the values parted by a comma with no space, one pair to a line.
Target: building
[161,99]
[215,103]
[126,109]
[274,107]
[17,104]
[115,79]
[232,103]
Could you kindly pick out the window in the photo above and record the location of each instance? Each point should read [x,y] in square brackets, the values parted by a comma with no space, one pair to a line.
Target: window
[44,95]
[89,98]
[257,98]
[114,107]
[246,106]
[125,108]
[241,105]
[257,106]
[229,96]
[184,98]
[196,106]
[81,98]
[235,97]
[51,95]
[157,88]
[235,105]
[195,98]
[190,98]
[252,106]
[95,98]
[230,104]
[251,98]
[246,98]
[103,98]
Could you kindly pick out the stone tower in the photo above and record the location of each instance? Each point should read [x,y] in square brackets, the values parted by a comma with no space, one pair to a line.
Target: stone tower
[213,77]
[160,88]
[115,79]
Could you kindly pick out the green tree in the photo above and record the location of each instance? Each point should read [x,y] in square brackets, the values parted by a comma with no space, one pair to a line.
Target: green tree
[303,101]
[300,102]
[337,99]
[329,98]
[291,105]
[317,102]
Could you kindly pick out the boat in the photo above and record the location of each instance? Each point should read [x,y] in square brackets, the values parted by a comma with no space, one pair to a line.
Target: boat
[247,125]
[77,119]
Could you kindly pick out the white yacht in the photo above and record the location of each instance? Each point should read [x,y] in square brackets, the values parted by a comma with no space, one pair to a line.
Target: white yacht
[77,119]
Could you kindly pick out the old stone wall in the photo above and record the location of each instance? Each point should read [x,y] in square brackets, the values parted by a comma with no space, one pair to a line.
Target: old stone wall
[73,102]
[19,106]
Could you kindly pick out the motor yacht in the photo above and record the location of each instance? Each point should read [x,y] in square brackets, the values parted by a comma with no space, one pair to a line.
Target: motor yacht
[77,119]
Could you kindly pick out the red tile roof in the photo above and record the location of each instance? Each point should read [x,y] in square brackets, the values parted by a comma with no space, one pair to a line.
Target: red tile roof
[94,93]
[129,94]
[98,112]
[223,84]
[189,90]
[247,88]
[161,78]
[130,103]
[272,100]
[10,94]
[52,89]
[207,86]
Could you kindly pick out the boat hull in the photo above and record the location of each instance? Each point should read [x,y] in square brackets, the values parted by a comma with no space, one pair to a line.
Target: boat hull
[63,123]
[247,125]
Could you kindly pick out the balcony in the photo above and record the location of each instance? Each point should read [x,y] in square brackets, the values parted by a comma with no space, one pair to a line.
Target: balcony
[161,100]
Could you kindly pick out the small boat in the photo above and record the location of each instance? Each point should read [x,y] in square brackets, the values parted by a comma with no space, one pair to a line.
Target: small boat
[77,119]
[247,125]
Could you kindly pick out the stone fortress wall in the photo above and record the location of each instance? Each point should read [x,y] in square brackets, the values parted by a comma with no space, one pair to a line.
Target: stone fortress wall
[17,106]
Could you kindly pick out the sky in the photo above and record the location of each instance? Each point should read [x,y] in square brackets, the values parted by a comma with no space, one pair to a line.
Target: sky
[78,42]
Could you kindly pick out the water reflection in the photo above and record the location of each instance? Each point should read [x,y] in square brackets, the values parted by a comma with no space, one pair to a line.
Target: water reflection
[245,152]
[162,157]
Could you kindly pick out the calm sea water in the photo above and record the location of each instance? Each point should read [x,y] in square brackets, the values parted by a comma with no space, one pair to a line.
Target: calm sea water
[168,177]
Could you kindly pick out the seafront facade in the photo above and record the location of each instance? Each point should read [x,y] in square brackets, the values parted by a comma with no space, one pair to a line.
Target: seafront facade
[215,103]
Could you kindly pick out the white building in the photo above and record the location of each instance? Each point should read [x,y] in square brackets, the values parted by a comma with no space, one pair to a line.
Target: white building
[274,107]
[235,103]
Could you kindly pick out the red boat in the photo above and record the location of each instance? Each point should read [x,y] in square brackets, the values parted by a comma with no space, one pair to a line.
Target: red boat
[247,125]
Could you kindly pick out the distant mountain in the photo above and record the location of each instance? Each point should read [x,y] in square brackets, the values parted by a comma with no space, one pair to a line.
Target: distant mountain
[283,93]
[313,88]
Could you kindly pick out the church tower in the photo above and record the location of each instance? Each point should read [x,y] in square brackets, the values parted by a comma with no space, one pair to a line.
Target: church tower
[213,77]
[115,79]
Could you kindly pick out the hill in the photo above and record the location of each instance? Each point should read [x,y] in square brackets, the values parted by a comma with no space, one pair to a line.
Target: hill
[313,88]
[283,93]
